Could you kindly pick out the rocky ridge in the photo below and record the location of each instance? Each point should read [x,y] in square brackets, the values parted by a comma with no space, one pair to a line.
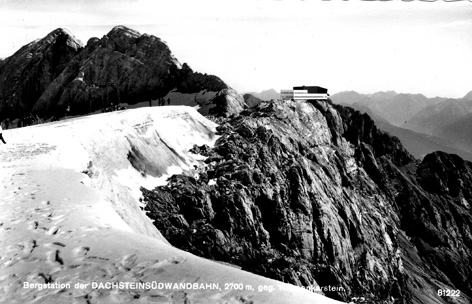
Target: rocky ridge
[27,74]
[308,192]
[123,67]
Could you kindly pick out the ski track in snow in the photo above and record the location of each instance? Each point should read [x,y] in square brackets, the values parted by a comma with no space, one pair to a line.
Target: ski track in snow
[56,228]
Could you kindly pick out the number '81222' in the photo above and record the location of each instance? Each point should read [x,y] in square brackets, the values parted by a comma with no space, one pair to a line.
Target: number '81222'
[449,293]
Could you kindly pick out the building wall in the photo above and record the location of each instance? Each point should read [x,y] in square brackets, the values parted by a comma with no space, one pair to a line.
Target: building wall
[286,94]
[303,94]
[309,96]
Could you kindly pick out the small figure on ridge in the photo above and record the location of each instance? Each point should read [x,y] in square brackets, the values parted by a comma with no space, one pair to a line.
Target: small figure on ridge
[1,136]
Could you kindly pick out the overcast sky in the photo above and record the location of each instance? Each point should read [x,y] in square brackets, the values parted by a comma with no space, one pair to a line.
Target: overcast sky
[366,46]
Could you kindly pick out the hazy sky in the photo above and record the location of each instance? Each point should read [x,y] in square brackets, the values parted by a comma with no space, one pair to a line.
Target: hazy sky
[366,46]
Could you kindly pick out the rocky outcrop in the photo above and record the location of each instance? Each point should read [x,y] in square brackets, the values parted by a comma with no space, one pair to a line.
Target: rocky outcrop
[446,174]
[122,67]
[193,82]
[25,75]
[251,100]
[227,102]
[313,194]
[432,200]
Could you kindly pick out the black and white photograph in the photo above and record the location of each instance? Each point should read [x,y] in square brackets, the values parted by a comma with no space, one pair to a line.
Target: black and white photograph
[235,152]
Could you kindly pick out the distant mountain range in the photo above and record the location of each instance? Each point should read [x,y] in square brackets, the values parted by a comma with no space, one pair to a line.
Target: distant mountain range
[57,74]
[449,120]
[420,144]
[266,95]
[394,107]
[423,124]
[458,131]
[439,115]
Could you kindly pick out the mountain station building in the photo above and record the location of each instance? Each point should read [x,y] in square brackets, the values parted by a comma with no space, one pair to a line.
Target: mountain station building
[304,93]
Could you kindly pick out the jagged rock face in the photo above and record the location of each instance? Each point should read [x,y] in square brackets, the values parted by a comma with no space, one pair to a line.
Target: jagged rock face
[432,200]
[308,193]
[137,67]
[278,206]
[446,174]
[25,75]
[441,211]
[192,82]
[56,76]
